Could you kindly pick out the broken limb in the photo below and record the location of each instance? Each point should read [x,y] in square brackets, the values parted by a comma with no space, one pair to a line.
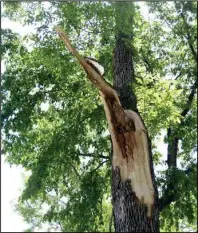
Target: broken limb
[93,76]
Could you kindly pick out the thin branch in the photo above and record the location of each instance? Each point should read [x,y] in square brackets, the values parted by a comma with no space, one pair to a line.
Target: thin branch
[76,171]
[190,99]
[60,226]
[99,166]
[169,25]
[148,66]
[180,73]
[93,155]
[191,47]
[189,39]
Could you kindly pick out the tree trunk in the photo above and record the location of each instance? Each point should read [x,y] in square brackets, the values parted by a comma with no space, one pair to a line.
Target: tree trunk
[130,213]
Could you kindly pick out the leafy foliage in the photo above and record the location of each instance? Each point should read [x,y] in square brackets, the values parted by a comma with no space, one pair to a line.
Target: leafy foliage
[53,119]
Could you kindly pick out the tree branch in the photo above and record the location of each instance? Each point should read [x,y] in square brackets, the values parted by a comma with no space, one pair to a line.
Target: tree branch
[169,195]
[172,149]
[180,73]
[190,169]
[147,64]
[115,113]
[189,39]
[99,166]
[76,171]
[60,226]
[97,80]
[167,198]
[190,99]
[92,155]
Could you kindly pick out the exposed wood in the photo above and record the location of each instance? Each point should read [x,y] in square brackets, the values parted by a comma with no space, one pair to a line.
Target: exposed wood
[93,76]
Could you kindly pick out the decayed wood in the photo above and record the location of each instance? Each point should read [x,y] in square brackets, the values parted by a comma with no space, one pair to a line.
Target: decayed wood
[129,138]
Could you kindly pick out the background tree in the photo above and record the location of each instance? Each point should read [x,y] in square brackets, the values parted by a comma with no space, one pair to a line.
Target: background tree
[67,150]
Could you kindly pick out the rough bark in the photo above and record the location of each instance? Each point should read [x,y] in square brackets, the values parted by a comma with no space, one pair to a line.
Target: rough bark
[130,215]
[169,194]
[123,72]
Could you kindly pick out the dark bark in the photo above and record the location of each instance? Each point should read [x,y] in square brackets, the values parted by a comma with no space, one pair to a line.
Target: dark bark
[123,67]
[172,150]
[129,214]
[169,194]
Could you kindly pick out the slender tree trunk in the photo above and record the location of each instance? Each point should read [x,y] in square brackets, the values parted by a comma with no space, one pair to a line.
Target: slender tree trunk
[130,214]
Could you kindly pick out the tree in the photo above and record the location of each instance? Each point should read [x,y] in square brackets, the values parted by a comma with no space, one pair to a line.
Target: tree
[133,211]
[76,142]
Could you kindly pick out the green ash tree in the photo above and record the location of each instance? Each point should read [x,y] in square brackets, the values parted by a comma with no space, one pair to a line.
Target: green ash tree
[54,123]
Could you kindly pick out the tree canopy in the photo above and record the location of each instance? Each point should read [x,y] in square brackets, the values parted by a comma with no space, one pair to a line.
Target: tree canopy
[53,119]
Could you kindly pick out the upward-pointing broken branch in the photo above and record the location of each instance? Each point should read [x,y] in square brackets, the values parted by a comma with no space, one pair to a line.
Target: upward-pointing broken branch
[93,76]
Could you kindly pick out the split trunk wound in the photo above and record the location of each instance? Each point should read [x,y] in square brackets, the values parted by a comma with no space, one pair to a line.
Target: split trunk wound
[130,150]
